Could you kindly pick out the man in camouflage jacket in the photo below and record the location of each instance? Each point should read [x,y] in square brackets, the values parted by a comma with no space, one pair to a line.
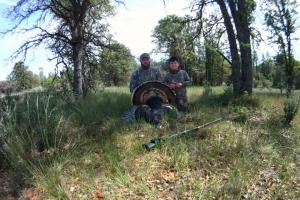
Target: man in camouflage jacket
[144,73]
[177,80]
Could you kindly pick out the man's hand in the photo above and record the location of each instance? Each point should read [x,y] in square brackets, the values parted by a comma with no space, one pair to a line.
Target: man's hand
[178,85]
[175,85]
[172,86]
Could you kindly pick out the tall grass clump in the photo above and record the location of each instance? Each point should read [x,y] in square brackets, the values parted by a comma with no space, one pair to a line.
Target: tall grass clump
[6,110]
[36,141]
[34,133]
[290,108]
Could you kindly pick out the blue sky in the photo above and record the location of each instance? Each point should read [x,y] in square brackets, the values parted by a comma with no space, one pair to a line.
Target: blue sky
[131,26]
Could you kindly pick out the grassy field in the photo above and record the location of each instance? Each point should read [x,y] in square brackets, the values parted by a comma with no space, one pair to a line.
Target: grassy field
[90,154]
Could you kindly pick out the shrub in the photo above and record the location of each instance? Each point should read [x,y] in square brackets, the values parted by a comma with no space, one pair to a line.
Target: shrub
[290,108]
[207,89]
[33,132]
[243,114]
[226,96]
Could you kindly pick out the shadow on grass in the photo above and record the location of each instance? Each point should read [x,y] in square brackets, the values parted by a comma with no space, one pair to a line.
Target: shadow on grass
[227,98]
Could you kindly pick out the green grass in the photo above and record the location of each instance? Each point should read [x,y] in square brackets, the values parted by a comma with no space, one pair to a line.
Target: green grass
[256,157]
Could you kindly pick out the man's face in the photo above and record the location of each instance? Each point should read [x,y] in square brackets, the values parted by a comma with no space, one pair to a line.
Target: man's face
[145,62]
[174,65]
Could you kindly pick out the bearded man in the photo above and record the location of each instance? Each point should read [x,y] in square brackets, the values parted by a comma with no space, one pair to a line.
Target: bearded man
[144,73]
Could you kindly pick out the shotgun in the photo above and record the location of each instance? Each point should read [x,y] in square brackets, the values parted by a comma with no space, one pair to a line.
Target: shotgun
[156,141]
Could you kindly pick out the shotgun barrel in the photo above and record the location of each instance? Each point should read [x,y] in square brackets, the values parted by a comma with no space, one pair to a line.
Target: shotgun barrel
[156,141]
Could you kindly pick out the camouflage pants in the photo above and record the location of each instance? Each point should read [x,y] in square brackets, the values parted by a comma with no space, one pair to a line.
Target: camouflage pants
[182,103]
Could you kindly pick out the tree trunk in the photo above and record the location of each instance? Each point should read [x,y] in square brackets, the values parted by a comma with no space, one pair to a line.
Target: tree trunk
[77,56]
[247,76]
[241,14]
[245,45]
[290,68]
[77,61]
[236,63]
[209,65]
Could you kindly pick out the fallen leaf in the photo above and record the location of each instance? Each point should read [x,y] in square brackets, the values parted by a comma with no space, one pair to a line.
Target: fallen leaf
[97,195]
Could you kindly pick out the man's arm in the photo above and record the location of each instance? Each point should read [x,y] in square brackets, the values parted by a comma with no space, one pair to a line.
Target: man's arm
[133,82]
[168,82]
[165,79]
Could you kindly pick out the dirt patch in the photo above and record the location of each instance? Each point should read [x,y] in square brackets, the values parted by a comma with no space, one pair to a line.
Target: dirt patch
[10,189]
[7,187]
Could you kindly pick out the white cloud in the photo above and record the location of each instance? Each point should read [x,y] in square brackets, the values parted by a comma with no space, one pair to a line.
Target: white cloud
[134,26]
[8,2]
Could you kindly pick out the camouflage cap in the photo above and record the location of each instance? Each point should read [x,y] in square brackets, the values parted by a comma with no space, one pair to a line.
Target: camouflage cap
[144,55]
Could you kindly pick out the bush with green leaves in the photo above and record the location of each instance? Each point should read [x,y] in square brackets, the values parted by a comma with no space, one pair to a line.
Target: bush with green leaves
[290,108]
[23,78]
[242,114]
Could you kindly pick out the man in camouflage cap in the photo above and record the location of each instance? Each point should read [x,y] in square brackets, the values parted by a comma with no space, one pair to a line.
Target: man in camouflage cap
[144,73]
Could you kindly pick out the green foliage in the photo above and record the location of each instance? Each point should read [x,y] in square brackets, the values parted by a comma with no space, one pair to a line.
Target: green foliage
[178,155]
[229,162]
[6,112]
[290,108]
[34,133]
[174,35]
[226,96]
[280,17]
[267,67]
[99,112]
[22,78]
[78,33]
[115,65]
[279,77]
[213,66]
[58,82]
[171,34]
[243,114]
[276,12]
[51,181]
[297,75]
[207,89]
[244,100]
[112,67]
[261,81]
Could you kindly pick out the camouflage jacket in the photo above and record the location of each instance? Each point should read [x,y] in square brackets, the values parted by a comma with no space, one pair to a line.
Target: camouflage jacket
[141,76]
[180,77]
